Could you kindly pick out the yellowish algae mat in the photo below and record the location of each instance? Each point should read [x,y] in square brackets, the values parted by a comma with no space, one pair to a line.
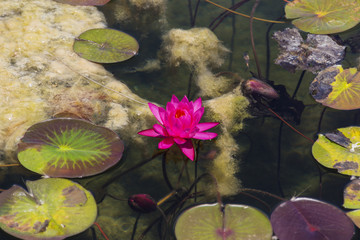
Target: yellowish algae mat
[41,76]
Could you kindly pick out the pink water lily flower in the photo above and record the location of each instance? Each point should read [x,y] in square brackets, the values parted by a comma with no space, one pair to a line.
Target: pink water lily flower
[179,123]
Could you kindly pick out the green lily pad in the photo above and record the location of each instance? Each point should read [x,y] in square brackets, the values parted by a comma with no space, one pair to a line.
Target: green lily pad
[105,45]
[323,16]
[235,222]
[352,195]
[52,208]
[337,88]
[84,2]
[66,147]
[339,150]
[355,217]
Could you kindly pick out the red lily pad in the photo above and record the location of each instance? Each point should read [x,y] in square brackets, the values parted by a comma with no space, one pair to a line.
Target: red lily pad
[66,147]
[84,2]
[337,88]
[52,208]
[105,45]
[306,218]
[323,16]
[339,150]
[234,222]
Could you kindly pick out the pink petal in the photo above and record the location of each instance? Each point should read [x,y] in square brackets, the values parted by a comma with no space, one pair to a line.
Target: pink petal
[174,99]
[197,115]
[166,143]
[204,135]
[149,133]
[185,100]
[206,125]
[197,104]
[179,140]
[188,149]
[157,111]
[160,129]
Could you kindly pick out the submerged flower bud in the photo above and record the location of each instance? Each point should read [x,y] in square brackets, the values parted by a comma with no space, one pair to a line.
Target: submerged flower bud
[143,203]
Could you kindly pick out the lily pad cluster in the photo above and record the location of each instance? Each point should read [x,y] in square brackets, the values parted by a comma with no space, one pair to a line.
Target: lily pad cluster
[296,219]
[323,16]
[55,208]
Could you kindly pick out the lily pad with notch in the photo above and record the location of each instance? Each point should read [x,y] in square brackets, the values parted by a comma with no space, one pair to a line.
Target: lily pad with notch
[51,208]
[337,88]
[323,16]
[339,150]
[306,218]
[104,45]
[67,147]
[233,222]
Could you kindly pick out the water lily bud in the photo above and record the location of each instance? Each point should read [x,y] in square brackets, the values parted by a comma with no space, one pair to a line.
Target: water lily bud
[143,203]
[261,88]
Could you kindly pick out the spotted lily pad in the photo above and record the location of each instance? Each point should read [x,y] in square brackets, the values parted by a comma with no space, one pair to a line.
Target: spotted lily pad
[337,88]
[66,147]
[105,45]
[306,218]
[323,16]
[339,150]
[52,208]
[352,201]
[84,2]
[234,222]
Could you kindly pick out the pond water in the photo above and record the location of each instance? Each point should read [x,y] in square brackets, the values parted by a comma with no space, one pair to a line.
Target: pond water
[269,156]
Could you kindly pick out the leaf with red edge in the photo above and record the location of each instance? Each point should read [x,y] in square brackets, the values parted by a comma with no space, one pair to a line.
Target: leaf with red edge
[66,147]
[310,219]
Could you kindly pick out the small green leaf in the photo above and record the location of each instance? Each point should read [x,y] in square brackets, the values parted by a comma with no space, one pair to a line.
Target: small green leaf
[323,16]
[341,153]
[105,45]
[51,208]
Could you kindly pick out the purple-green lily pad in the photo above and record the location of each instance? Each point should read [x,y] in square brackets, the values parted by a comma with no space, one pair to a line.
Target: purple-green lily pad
[234,222]
[339,150]
[50,209]
[66,147]
[352,200]
[103,45]
[311,219]
[323,16]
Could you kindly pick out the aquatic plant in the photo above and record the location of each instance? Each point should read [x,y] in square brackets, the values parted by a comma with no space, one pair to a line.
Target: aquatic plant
[306,218]
[337,88]
[323,16]
[179,123]
[52,208]
[339,150]
[68,147]
[105,45]
[214,221]
[352,200]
